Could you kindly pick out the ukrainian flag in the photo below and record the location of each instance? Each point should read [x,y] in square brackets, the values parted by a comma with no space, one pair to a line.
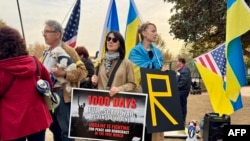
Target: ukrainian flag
[111,24]
[211,67]
[238,23]
[133,22]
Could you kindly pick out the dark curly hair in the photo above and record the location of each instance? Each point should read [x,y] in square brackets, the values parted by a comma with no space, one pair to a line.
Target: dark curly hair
[81,50]
[12,43]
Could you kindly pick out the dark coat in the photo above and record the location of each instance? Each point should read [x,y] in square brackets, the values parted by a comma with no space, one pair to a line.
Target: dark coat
[184,79]
[90,68]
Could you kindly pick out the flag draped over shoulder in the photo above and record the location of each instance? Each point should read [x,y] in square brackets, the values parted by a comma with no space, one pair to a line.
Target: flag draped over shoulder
[71,30]
[111,24]
[238,22]
[212,68]
[133,22]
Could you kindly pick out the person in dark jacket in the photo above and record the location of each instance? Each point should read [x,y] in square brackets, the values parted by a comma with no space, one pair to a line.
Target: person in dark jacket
[84,54]
[183,76]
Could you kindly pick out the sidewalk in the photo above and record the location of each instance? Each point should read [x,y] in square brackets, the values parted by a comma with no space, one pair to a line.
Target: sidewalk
[245,91]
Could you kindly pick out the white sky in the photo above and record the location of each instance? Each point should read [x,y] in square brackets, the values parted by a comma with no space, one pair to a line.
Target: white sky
[93,13]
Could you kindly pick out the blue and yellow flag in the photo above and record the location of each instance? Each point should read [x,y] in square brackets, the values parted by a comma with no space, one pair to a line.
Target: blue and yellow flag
[238,19]
[212,68]
[111,24]
[225,64]
[133,22]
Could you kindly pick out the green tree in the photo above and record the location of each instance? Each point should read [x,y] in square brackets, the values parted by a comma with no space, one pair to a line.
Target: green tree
[167,55]
[202,24]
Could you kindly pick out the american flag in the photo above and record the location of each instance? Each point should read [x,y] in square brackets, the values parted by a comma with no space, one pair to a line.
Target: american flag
[71,30]
[214,60]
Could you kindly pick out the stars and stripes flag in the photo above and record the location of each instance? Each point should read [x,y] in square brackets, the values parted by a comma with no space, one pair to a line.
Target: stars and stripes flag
[71,30]
[212,68]
[214,60]
[225,95]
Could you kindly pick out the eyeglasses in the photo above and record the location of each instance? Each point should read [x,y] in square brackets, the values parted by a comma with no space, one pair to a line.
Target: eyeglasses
[113,39]
[48,31]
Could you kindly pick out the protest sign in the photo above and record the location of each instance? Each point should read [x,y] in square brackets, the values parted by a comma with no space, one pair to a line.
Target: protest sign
[164,109]
[97,116]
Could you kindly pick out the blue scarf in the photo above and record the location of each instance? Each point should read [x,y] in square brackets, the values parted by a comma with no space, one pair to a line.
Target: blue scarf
[139,56]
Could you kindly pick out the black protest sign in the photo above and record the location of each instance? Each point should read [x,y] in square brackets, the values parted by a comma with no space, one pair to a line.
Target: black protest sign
[163,108]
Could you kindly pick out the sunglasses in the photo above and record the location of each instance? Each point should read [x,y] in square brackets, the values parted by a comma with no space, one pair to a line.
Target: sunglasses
[113,39]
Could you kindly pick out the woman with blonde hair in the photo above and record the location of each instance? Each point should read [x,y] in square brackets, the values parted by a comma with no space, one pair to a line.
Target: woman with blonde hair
[146,55]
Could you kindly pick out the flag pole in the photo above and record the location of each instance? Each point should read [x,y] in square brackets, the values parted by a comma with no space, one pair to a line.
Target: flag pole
[69,12]
[20,19]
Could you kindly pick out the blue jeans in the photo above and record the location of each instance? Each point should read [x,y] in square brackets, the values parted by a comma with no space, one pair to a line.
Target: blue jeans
[39,136]
[60,125]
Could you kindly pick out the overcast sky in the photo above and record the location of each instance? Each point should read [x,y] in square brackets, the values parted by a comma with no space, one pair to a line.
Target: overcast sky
[93,12]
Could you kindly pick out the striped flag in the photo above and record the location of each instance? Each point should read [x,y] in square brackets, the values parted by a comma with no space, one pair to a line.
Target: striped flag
[133,22]
[224,92]
[71,30]
[212,68]
[111,24]
[214,60]
[238,19]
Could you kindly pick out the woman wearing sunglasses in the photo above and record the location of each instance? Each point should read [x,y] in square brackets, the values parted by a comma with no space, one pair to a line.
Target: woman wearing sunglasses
[123,80]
